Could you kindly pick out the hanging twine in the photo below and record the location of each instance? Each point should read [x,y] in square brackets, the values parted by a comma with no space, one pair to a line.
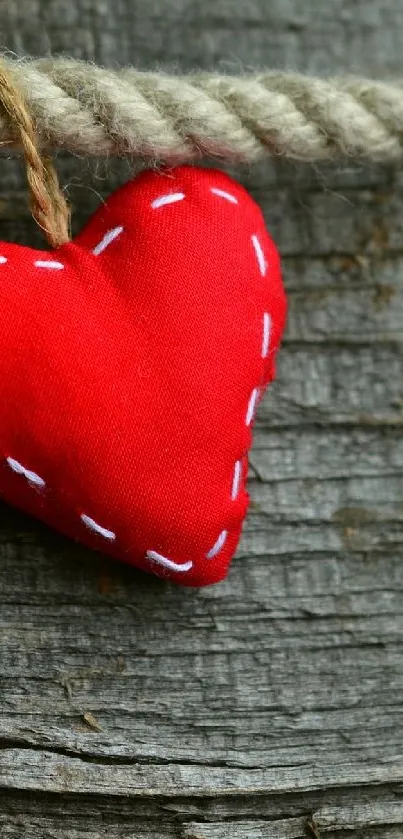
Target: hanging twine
[90,110]
[47,202]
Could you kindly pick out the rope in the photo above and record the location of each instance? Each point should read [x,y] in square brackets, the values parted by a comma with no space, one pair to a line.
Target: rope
[89,110]
[48,205]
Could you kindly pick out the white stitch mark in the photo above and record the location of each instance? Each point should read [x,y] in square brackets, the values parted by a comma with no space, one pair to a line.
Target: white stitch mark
[218,545]
[48,263]
[102,531]
[222,194]
[167,199]
[266,334]
[236,480]
[168,563]
[252,405]
[259,255]
[3,260]
[32,477]
[107,239]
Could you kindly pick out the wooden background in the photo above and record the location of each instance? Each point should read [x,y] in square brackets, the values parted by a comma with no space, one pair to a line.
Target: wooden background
[130,709]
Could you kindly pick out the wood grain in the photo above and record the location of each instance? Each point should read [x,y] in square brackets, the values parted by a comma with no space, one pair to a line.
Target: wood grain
[270,705]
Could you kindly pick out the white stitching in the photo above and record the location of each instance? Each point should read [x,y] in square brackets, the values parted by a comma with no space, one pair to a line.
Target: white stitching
[168,563]
[222,194]
[252,405]
[48,263]
[107,239]
[218,545]
[236,480]
[266,334]
[259,255]
[93,525]
[167,199]
[31,477]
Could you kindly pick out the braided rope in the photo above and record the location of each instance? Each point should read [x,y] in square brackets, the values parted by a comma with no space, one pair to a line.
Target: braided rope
[89,110]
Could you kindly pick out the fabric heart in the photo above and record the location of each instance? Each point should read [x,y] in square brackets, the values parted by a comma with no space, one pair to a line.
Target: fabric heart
[132,362]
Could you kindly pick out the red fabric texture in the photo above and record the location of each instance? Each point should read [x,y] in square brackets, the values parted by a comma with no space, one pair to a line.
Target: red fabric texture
[132,362]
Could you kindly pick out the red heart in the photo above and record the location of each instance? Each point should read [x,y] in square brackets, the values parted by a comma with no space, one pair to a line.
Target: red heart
[132,362]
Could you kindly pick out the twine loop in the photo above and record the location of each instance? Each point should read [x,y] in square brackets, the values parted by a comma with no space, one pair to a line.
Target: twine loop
[47,202]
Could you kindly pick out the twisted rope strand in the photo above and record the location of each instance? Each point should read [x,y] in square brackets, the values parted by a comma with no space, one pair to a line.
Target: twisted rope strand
[90,110]
[48,205]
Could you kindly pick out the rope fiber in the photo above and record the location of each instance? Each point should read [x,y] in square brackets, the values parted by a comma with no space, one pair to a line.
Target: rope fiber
[89,110]
[47,202]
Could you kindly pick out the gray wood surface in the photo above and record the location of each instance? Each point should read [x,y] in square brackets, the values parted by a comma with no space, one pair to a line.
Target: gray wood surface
[130,709]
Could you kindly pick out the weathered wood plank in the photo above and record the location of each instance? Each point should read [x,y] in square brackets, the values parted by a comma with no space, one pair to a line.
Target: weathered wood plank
[372,817]
[114,818]
[50,772]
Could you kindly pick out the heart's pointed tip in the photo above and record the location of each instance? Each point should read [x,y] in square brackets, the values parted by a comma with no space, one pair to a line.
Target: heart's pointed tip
[200,576]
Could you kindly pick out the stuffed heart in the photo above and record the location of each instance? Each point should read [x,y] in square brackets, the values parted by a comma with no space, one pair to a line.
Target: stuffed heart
[132,363]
